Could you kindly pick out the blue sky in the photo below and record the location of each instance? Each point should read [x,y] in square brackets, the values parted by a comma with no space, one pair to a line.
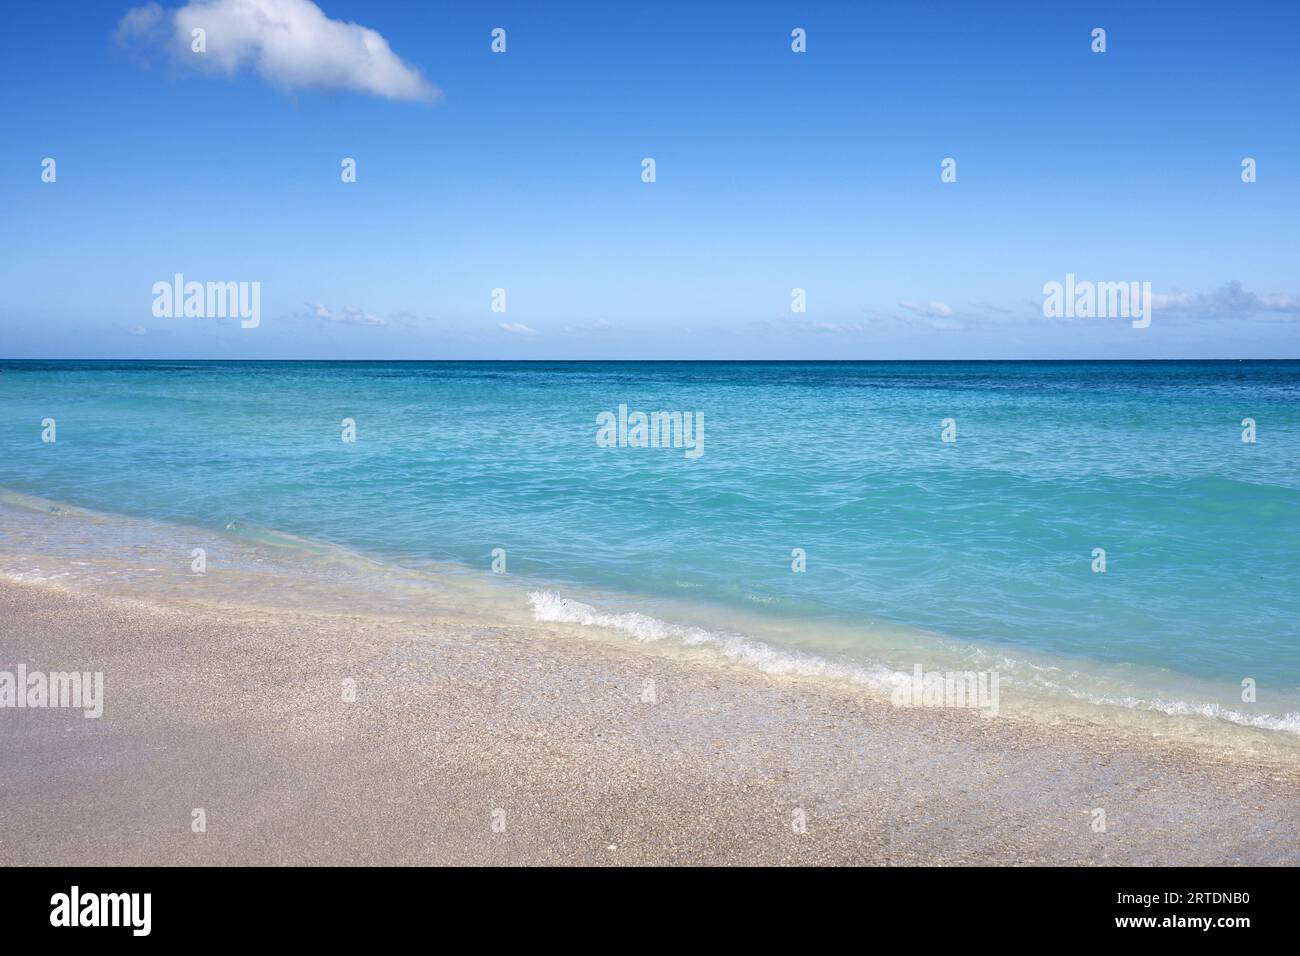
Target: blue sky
[775,170]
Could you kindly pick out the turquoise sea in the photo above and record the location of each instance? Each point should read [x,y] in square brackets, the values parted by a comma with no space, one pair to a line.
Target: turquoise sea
[973,552]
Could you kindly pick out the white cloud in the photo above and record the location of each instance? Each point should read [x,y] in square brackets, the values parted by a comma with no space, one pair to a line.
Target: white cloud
[349,316]
[514,328]
[291,43]
[1230,299]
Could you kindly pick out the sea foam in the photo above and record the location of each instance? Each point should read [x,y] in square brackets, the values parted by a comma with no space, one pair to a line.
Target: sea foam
[552,607]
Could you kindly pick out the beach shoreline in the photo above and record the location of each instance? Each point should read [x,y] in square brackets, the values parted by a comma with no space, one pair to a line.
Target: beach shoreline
[482,743]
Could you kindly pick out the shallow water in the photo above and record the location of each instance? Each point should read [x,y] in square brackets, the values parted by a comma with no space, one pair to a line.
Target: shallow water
[975,554]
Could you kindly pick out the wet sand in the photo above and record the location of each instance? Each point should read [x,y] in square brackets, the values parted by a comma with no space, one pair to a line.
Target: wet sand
[483,744]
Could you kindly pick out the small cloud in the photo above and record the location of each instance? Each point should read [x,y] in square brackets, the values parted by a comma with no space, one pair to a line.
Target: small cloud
[290,43]
[351,315]
[137,330]
[515,328]
[1231,299]
[933,310]
[139,22]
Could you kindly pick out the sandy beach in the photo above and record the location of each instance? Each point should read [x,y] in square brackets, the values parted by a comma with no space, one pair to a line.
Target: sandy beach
[521,745]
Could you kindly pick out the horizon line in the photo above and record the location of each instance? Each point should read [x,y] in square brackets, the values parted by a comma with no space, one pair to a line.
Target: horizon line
[644,361]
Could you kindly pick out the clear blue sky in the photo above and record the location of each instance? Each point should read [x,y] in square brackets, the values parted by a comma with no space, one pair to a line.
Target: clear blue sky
[774,170]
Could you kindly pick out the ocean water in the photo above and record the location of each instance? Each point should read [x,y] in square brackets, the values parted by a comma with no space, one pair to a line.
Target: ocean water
[975,553]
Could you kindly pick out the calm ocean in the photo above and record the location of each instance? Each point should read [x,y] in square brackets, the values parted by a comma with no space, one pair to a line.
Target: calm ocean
[973,551]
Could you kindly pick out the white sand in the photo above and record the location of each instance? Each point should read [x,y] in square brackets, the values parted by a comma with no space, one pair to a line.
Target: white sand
[240,713]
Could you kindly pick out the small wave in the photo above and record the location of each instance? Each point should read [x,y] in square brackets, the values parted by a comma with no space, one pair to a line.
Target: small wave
[1286,723]
[551,607]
